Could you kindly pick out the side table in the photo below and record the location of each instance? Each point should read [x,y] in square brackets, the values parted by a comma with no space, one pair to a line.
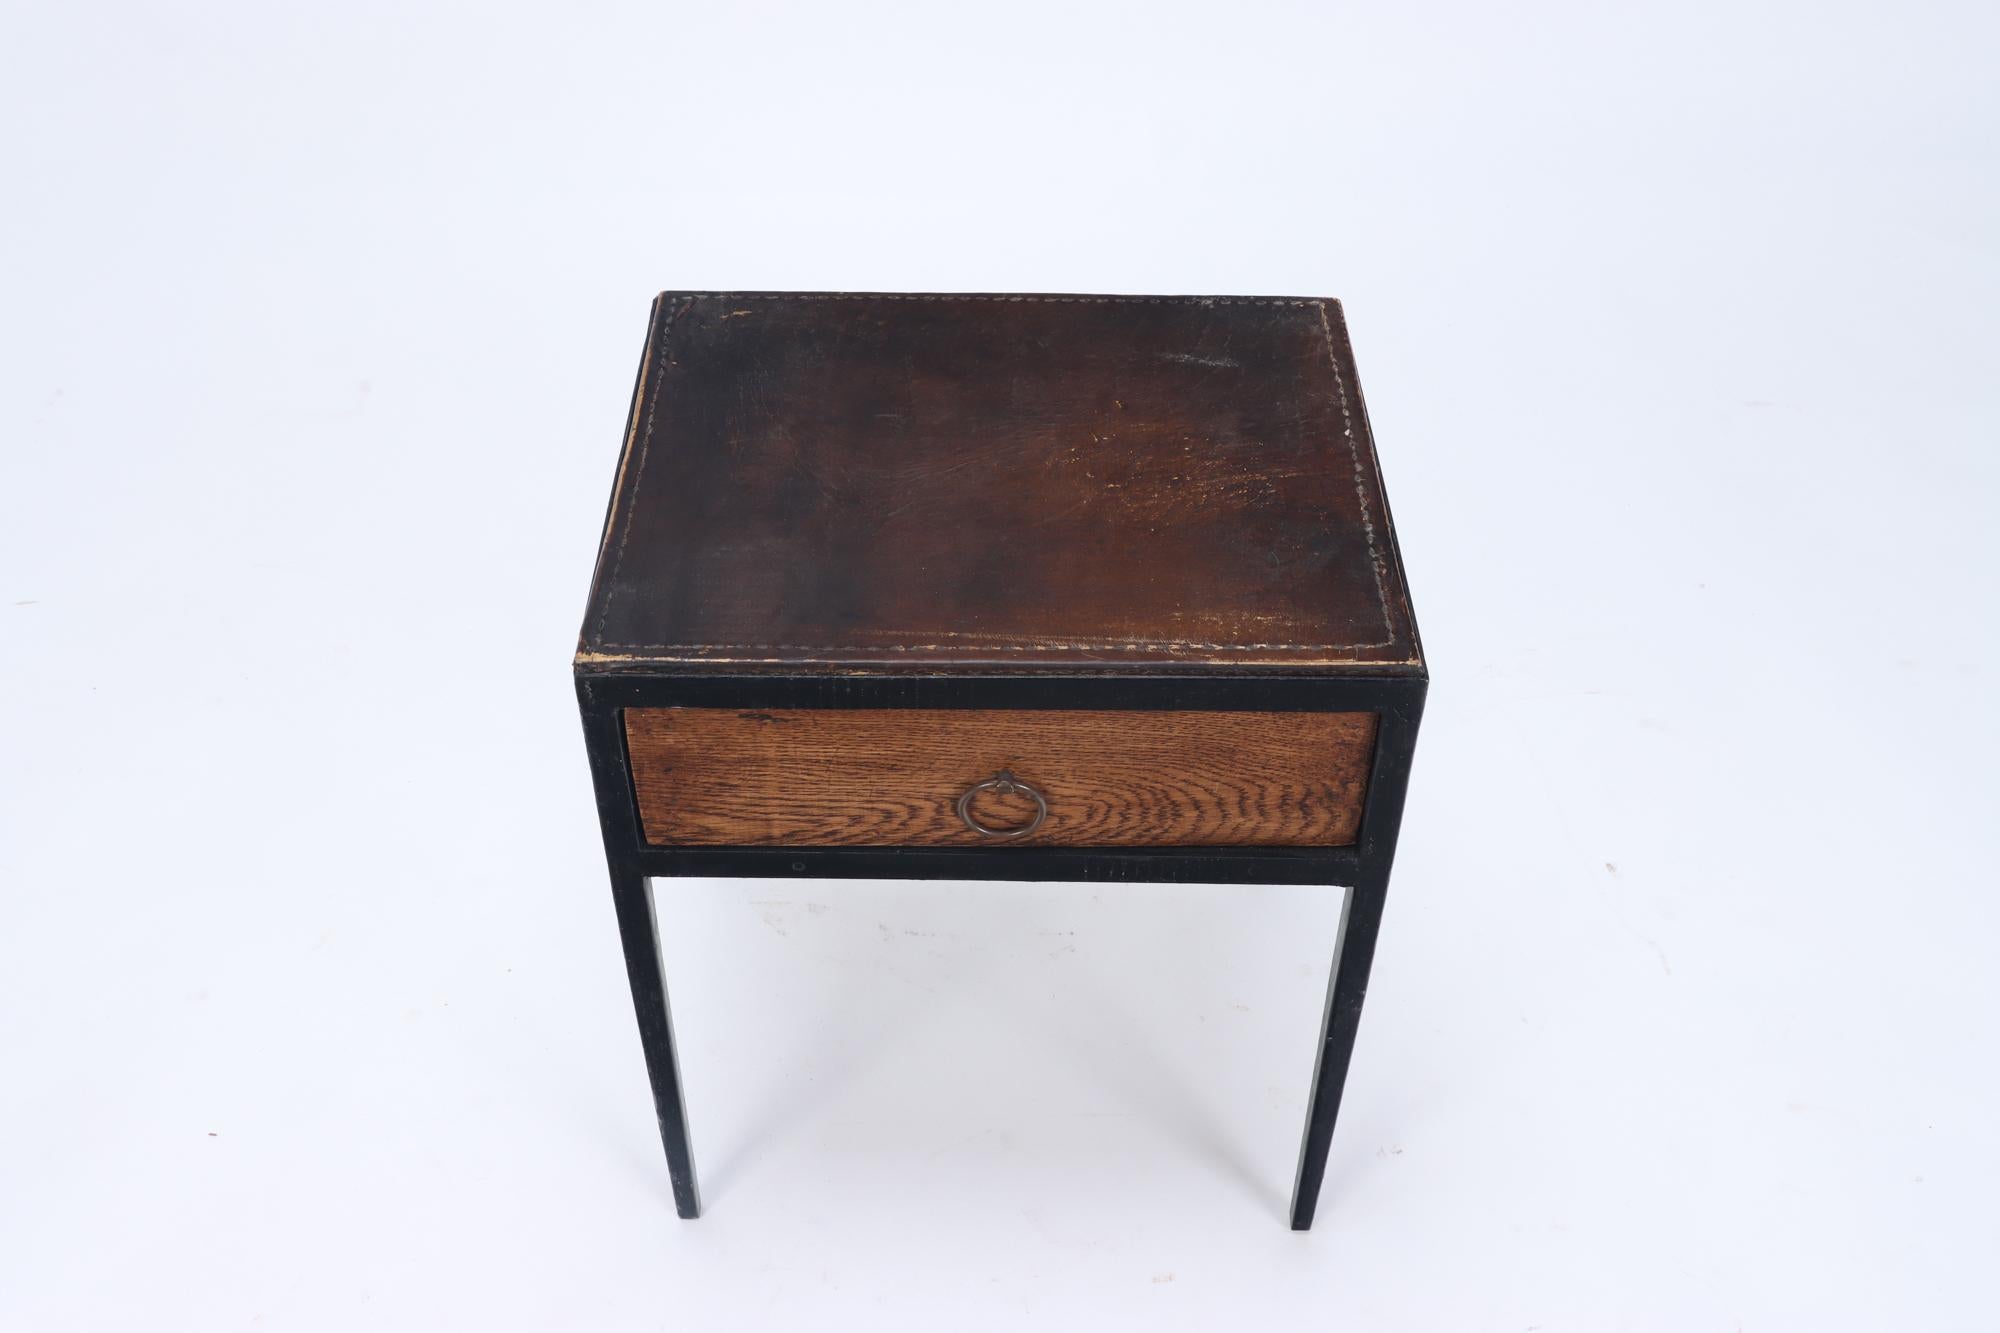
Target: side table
[1000,587]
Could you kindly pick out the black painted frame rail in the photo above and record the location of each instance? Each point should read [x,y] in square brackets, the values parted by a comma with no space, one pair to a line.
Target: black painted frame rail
[1362,869]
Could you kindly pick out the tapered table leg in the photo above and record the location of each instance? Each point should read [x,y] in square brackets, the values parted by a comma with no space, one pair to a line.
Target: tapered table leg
[637,926]
[1360,921]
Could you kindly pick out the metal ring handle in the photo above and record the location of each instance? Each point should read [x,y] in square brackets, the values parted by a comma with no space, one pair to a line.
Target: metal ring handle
[1002,783]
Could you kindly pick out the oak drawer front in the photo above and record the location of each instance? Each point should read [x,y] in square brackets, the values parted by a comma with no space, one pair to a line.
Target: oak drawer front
[894,777]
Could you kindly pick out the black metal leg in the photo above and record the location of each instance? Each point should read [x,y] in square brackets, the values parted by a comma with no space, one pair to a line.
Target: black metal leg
[633,895]
[1360,922]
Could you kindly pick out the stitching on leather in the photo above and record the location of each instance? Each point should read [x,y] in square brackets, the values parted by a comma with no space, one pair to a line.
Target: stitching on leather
[1360,491]
[1031,646]
[638,475]
[860,650]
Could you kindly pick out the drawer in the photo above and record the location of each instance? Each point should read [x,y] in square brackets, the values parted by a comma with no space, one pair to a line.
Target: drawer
[1058,778]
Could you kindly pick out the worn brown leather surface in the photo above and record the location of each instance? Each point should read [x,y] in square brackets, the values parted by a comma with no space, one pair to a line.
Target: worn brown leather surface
[937,482]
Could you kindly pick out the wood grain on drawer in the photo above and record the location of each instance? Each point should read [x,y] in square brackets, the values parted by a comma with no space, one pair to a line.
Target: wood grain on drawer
[892,777]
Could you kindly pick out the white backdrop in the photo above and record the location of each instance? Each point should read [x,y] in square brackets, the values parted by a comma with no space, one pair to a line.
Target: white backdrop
[1677,324]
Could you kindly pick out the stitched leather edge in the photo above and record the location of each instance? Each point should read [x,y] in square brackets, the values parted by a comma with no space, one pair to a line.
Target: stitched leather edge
[1129,646]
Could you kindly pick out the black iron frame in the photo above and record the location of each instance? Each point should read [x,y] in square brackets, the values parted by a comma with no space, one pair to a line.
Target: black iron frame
[1363,869]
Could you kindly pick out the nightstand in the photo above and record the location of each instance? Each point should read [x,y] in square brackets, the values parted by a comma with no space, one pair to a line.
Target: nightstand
[1000,587]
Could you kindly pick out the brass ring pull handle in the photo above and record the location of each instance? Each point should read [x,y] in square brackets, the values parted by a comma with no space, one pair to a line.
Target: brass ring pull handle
[1004,784]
